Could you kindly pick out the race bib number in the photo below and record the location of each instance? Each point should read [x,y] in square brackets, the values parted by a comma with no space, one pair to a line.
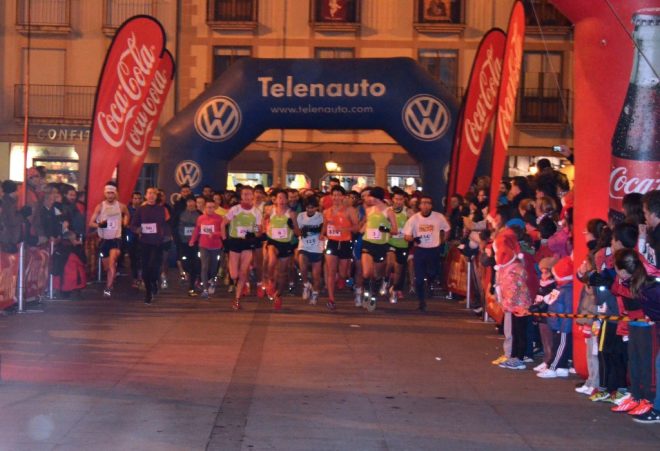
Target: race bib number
[113,224]
[333,232]
[554,295]
[426,233]
[208,229]
[399,235]
[241,231]
[149,228]
[279,233]
[374,234]
[311,241]
[188,231]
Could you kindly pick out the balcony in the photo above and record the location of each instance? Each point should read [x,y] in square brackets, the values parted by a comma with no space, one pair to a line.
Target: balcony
[115,12]
[543,108]
[43,16]
[232,14]
[550,21]
[56,104]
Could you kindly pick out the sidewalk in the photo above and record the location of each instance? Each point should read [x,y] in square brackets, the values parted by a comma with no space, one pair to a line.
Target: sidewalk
[188,374]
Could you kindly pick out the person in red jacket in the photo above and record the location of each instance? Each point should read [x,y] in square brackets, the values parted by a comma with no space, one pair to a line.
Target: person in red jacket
[210,233]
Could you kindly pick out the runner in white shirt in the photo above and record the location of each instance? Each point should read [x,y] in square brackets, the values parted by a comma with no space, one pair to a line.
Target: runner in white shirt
[427,229]
[310,249]
[108,218]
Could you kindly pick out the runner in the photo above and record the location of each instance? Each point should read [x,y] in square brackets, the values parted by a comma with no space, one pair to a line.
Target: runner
[132,242]
[108,218]
[189,254]
[310,255]
[149,223]
[380,223]
[356,201]
[280,227]
[339,221]
[397,255]
[209,231]
[427,229]
[244,229]
[167,239]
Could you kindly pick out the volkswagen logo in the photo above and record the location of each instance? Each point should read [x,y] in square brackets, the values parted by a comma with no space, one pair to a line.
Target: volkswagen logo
[218,119]
[189,172]
[426,117]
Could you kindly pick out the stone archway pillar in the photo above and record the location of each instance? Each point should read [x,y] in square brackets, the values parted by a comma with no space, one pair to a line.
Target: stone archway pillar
[381,163]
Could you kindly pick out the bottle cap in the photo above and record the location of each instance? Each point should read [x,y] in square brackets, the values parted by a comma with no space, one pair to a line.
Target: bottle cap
[646,16]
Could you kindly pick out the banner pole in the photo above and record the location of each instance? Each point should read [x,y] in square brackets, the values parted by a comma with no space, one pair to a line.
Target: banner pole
[99,269]
[26,103]
[21,291]
[50,270]
[469,283]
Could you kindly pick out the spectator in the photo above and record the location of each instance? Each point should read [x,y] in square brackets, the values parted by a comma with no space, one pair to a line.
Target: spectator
[651,208]
[10,218]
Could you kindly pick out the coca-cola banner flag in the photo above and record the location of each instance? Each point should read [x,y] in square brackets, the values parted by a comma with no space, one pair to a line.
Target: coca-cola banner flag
[511,67]
[144,126]
[334,10]
[124,85]
[478,109]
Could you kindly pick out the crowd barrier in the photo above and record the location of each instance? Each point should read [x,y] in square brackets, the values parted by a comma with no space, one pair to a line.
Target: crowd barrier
[36,275]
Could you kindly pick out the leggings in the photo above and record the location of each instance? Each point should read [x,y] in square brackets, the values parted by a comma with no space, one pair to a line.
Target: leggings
[640,361]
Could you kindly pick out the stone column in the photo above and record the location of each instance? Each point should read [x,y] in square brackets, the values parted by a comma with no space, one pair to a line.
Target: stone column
[280,159]
[381,162]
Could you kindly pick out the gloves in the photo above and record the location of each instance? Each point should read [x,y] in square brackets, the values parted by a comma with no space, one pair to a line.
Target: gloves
[289,223]
[384,229]
[103,224]
[250,235]
[417,240]
[304,231]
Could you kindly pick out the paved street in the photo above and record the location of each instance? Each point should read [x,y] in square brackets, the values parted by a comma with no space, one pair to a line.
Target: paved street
[191,375]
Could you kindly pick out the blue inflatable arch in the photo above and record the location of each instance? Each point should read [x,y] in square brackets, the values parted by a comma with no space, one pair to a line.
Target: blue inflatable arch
[391,94]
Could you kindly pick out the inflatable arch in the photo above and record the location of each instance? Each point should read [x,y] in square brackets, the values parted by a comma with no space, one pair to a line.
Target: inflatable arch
[395,95]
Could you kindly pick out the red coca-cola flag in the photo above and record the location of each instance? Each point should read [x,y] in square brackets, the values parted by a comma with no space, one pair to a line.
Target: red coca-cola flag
[511,67]
[144,126]
[124,85]
[334,10]
[478,109]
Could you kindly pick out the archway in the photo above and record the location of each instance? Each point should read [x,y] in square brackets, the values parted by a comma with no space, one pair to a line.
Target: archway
[395,95]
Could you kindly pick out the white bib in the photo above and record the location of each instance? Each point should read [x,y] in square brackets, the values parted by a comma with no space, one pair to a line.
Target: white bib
[241,231]
[208,229]
[332,232]
[279,233]
[149,228]
[113,224]
[188,231]
[374,234]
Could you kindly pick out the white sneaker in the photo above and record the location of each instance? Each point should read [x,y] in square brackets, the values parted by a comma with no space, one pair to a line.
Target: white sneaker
[547,374]
[314,298]
[562,372]
[358,297]
[585,389]
[383,288]
[371,304]
[211,286]
[307,289]
[393,296]
[542,367]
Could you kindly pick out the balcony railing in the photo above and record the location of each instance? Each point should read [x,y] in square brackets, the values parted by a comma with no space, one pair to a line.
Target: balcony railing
[543,106]
[548,15]
[56,103]
[115,12]
[232,14]
[43,15]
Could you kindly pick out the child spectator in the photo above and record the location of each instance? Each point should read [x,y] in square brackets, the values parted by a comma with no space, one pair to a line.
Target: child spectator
[547,285]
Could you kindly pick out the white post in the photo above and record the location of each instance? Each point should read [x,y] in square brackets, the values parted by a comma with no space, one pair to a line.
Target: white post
[99,275]
[469,283]
[21,270]
[50,270]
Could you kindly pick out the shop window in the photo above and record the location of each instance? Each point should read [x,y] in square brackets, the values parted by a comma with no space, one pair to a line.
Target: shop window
[334,52]
[335,15]
[541,97]
[148,177]
[232,14]
[223,57]
[443,66]
[43,16]
[439,16]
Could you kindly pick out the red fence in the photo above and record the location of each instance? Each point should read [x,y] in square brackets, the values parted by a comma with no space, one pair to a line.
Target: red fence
[36,275]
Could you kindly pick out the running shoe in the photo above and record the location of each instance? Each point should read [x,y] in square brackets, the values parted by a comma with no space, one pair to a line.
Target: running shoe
[307,290]
[236,304]
[192,293]
[135,284]
[358,297]
[183,277]
[163,282]
[107,292]
[650,417]
[371,305]
[394,298]
[600,396]
[292,287]
[585,390]
[314,298]
[619,397]
[261,290]
[148,299]
[562,372]
[449,296]
[513,364]
[547,374]
[626,406]
[543,366]
[205,294]
[331,304]
[270,290]
[644,406]
[366,297]
[231,288]
[383,288]
[528,359]
[500,359]
[277,302]
[246,289]
[211,288]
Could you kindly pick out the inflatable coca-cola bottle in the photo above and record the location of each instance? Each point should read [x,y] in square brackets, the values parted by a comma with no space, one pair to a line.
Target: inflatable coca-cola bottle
[636,140]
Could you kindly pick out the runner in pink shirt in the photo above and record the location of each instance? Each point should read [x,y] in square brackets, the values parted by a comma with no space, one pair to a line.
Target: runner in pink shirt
[210,232]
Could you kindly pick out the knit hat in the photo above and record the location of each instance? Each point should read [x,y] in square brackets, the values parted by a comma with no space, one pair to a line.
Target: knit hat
[563,271]
[547,263]
[507,249]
